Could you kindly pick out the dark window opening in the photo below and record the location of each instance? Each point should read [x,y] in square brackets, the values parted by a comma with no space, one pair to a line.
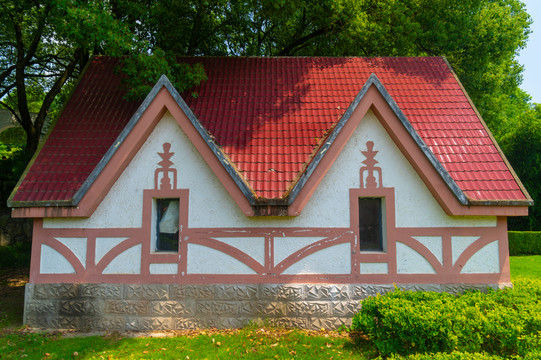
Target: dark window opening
[167,224]
[371,224]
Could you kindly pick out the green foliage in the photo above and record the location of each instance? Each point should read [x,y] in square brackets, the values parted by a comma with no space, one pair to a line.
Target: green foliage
[506,322]
[13,161]
[526,266]
[143,71]
[13,136]
[521,143]
[524,243]
[15,256]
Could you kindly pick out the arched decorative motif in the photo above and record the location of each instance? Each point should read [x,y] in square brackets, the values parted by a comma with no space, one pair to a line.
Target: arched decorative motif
[165,170]
[368,172]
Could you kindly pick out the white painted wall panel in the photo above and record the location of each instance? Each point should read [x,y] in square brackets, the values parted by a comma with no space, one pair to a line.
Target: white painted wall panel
[77,246]
[204,260]
[460,243]
[285,246]
[157,269]
[486,260]
[252,246]
[374,268]
[52,262]
[332,260]
[409,261]
[105,244]
[434,244]
[127,262]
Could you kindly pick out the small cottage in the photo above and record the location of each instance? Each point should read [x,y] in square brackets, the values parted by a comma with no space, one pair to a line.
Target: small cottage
[286,190]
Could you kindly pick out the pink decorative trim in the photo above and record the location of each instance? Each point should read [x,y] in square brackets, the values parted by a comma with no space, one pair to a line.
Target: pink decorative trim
[267,273]
[165,170]
[370,169]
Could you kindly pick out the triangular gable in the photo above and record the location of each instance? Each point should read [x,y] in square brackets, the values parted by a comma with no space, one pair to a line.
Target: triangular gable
[164,97]
[374,96]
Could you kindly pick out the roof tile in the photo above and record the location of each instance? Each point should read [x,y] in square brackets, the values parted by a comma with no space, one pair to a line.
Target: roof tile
[268,115]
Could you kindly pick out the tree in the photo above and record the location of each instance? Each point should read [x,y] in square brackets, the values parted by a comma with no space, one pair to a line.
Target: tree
[45,43]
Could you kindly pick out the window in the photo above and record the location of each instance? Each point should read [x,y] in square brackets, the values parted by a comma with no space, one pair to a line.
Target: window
[371,229]
[167,224]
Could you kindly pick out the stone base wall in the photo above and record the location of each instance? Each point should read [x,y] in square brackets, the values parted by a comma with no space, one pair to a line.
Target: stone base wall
[153,307]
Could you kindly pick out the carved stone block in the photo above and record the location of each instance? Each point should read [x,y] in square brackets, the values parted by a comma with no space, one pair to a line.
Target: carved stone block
[345,308]
[185,323]
[80,307]
[171,308]
[217,308]
[233,323]
[271,308]
[328,323]
[327,292]
[248,308]
[149,323]
[236,292]
[363,291]
[420,287]
[127,307]
[281,292]
[101,323]
[288,322]
[308,308]
[197,292]
[53,322]
[147,292]
[102,291]
[208,322]
[55,291]
[41,307]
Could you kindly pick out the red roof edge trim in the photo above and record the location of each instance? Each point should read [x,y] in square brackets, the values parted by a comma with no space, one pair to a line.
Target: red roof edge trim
[374,81]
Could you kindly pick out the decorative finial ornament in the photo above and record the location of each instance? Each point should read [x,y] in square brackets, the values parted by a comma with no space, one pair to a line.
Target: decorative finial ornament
[166,170]
[370,170]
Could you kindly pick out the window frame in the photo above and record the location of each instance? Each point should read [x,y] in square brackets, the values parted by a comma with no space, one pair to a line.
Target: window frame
[157,216]
[380,220]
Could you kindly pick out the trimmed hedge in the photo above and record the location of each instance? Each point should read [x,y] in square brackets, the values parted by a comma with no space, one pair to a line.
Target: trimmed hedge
[505,322]
[524,243]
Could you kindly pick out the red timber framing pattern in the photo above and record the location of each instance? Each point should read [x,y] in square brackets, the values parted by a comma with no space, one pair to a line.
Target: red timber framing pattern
[269,271]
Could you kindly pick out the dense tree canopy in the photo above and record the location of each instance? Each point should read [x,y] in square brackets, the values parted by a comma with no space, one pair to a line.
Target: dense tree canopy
[44,44]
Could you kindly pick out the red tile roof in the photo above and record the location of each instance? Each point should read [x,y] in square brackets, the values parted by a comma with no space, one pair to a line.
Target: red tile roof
[269,114]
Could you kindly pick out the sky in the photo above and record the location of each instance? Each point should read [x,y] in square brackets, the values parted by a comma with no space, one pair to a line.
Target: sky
[530,57]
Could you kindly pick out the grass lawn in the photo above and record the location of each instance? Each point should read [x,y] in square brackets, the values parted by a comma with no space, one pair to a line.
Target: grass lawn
[527,266]
[252,342]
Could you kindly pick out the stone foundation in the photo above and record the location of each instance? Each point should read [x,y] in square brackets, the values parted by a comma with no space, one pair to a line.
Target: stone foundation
[151,307]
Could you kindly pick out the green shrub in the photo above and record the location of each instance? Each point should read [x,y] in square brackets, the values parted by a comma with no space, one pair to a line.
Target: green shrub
[505,322]
[524,243]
